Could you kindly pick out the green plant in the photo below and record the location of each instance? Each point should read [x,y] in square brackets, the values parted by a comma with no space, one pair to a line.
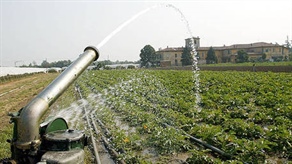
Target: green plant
[168,140]
[246,114]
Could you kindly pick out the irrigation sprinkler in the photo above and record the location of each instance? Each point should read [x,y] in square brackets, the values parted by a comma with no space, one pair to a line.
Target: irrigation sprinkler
[53,141]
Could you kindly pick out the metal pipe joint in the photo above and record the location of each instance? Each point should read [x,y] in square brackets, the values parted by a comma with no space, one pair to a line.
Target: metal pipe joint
[27,124]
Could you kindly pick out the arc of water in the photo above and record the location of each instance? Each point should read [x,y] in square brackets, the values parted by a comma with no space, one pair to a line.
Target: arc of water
[183,18]
[106,39]
[119,28]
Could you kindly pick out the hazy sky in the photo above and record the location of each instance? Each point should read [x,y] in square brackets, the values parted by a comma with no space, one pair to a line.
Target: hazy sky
[60,30]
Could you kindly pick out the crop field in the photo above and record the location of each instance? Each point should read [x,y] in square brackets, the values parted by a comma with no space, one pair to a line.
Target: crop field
[152,115]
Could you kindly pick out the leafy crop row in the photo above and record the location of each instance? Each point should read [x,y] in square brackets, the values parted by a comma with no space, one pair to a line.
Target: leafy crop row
[246,114]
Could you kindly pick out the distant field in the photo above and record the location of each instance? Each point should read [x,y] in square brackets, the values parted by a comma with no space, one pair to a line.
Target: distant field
[288,63]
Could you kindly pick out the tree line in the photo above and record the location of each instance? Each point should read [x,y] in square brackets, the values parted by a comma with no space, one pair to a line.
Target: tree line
[46,64]
[66,63]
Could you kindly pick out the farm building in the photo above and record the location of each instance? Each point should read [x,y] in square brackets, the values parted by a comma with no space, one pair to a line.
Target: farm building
[171,56]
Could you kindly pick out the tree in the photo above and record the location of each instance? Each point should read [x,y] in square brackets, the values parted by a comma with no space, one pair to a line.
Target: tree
[102,64]
[62,63]
[211,57]
[34,64]
[264,56]
[242,56]
[45,64]
[148,56]
[186,57]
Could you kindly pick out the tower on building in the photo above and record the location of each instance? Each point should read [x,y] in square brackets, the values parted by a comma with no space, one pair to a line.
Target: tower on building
[196,42]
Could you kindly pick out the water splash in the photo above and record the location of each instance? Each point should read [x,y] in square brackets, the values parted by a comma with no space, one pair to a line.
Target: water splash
[72,114]
[195,67]
[98,100]
[196,74]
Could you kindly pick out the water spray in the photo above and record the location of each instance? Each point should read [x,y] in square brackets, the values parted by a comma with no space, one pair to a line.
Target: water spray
[106,39]
[53,141]
[195,67]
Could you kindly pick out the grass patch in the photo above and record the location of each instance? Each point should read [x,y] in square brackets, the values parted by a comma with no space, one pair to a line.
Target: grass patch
[6,133]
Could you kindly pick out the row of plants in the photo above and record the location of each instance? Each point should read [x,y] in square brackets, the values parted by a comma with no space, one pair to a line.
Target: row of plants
[245,114]
[8,78]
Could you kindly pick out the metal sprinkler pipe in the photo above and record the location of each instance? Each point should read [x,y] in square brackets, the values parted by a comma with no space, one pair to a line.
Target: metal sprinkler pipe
[28,122]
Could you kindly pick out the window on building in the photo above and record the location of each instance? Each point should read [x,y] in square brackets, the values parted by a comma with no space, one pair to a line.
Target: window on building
[176,55]
[176,63]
